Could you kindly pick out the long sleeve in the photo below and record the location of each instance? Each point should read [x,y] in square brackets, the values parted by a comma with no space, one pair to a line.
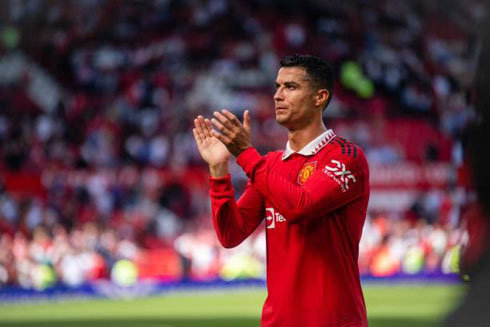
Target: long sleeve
[339,180]
[234,221]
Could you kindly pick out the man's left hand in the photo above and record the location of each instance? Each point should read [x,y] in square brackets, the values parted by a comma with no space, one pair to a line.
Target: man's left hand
[234,135]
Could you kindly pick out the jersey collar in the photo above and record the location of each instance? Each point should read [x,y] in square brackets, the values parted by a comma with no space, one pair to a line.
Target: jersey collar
[311,148]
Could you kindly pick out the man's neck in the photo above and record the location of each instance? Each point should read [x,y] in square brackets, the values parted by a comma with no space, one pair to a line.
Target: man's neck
[298,139]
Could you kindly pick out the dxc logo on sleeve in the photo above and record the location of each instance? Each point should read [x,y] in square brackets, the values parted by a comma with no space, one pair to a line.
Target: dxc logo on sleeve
[273,217]
[339,174]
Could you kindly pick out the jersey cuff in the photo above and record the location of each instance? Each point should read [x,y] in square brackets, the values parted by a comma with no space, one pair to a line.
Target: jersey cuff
[248,159]
[220,186]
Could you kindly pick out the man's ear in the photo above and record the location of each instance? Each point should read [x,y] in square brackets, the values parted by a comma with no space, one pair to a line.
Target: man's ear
[321,97]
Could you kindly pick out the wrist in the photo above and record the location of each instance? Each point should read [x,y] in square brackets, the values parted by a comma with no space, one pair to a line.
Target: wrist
[218,170]
[241,150]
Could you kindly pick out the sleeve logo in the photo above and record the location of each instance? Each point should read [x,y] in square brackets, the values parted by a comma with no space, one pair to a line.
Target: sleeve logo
[306,172]
[339,174]
[272,217]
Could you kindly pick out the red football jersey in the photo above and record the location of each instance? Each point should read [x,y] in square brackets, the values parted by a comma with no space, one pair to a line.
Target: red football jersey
[314,202]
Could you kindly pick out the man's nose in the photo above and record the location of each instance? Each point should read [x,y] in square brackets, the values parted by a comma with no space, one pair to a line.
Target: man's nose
[278,96]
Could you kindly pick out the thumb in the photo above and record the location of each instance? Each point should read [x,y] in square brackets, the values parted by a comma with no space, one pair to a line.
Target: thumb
[246,121]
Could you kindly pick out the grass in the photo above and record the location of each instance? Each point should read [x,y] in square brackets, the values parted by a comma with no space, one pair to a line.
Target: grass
[388,306]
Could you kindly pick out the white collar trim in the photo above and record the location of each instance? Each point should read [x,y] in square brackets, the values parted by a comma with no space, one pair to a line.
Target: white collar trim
[311,148]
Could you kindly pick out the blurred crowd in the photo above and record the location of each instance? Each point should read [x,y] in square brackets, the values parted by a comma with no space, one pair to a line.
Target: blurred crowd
[98,163]
[89,253]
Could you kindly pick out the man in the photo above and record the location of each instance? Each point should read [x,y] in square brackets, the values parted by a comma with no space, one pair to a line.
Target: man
[314,196]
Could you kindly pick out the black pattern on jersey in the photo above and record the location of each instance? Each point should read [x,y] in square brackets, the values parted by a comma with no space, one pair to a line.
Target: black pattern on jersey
[347,147]
[335,140]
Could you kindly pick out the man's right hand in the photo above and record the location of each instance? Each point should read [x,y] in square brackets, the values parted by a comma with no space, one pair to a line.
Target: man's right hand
[211,149]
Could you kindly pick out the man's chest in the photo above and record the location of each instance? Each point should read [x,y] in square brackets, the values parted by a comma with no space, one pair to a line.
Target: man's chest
[297,170]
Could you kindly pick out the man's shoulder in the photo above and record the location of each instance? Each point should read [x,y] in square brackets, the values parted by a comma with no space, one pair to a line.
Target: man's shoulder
[344,151]
[274,155]
[339,146]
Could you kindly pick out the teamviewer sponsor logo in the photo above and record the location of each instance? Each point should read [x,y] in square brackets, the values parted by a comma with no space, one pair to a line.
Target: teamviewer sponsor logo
[339,174]
[273,217]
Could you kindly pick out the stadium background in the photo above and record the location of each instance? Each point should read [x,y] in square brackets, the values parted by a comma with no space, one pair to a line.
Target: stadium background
[102,187]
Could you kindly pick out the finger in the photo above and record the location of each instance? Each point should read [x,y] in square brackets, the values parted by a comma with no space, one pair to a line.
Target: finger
[208,127]
[223,120]
[203,128]
[222,138]
[199,128]
[247,124]
[196,136]
[222,128]
[231,117]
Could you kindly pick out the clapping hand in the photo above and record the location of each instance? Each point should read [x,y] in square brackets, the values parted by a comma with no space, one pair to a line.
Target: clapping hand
[235,136]
[212,150]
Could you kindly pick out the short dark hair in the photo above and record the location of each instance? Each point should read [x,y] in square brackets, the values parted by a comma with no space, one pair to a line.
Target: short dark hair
[320,71]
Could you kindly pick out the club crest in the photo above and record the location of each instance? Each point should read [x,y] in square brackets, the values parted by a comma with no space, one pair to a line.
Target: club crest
[306,172]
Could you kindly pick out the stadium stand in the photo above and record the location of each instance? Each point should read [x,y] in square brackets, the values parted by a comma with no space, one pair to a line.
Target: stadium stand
[97,98]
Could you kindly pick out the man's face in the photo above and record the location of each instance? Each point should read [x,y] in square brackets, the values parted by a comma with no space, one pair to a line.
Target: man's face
[294,98]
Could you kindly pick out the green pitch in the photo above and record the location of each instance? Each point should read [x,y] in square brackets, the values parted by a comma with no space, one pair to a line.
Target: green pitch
[388,306]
